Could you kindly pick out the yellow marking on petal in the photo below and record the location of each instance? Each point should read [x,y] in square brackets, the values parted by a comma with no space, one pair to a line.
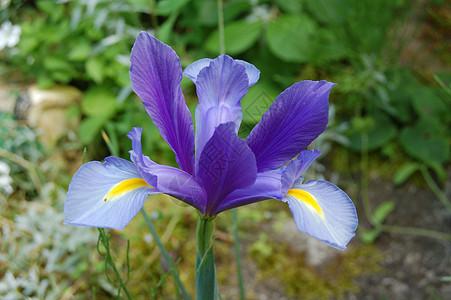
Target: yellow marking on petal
[307,198]
[124,187]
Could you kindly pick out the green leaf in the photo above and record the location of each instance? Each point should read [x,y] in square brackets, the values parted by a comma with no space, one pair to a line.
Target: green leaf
[165,30]
[208,12]
[90,128]
[94,68]
[99,101]
[290,38]
[404,172]
[257,101]
[79,51]
[379,129]
[239,36]
[368,237]
[427,104]
[439,170]
[425,141]
[329,12]
[167,7]
[383,210]
[290,6]
[54,63]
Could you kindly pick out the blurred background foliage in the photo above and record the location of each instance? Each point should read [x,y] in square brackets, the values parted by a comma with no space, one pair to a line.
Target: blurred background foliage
[391,104]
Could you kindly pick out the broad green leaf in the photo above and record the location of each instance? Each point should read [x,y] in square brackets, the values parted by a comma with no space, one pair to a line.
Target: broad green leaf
[425,141]
[383,210]
[290,6]
[329,12]
[427,104]
[99,102]
[256,102]
[368,237]
[208,12]
[239,37]
[439,170]
[404,172]
[94,68]
[290,38]
[90,128]
[165,30]
[379,130]
[167,7]
[54,63]
[79,51]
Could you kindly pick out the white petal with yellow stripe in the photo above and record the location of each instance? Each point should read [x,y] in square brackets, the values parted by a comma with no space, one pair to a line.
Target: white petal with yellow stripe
[323,211]
[106,195]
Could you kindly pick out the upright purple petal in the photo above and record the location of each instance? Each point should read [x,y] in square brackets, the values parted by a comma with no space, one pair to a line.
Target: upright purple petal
[220,87]
[192,71]
[226,164]
[166,179]
[252,72]
[106,194]
[156,74]
[294,120]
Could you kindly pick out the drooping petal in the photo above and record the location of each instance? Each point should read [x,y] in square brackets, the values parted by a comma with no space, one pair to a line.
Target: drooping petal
[226,164]
[294,120]
[220,87]
[193,70]
[166,179]
[106,195]
[156,74]
[323,211]
[267,186]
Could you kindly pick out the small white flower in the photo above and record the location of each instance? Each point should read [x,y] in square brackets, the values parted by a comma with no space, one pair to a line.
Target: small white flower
[9,35]
[5,180]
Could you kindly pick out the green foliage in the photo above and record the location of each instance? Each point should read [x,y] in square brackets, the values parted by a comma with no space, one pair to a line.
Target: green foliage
[394,111]
[333,279]
[239,36]
[379,215]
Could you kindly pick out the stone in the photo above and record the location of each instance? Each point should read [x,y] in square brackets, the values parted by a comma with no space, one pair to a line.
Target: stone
[48,112]
[316,252]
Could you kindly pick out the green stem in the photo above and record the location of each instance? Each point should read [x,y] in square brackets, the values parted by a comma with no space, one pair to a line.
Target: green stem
[435,189]
[206,280]
[221,27]
[398,229]
[415,231]
[105,239]
[166,256]
[236,244]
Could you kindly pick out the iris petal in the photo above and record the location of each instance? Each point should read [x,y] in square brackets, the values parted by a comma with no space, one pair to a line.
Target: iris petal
[294,120]
[226,164]
[297,167]
[266,186]
[323,211]
[252,72]
[220,87]
[106,194]
[166,179]
[156,74]
[193,70]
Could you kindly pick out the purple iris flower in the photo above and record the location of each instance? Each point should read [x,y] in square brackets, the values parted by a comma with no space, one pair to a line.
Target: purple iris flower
[218,170]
